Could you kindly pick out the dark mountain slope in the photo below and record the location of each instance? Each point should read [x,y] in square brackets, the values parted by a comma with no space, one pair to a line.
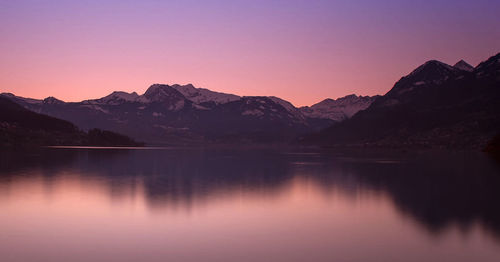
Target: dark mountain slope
[435,106]
[16,114]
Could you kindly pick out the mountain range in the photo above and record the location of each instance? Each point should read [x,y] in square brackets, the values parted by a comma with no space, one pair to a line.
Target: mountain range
[436,105]
[184,114]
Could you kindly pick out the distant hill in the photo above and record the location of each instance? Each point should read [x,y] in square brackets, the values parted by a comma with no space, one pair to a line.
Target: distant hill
[22,127]
[436,105]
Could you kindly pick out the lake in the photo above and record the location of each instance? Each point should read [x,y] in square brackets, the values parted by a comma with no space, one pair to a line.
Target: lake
[105,204]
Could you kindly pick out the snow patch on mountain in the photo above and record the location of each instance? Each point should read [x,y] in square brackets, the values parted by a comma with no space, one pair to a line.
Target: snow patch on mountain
[200,107]
[118,97]
[338,109]
[202,95]
[115,98]
[97,108]
[124,96]
[254,112]
[289,107]
[178,105]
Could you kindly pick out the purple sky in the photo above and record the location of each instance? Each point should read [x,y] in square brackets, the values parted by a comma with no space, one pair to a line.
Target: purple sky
[302,51]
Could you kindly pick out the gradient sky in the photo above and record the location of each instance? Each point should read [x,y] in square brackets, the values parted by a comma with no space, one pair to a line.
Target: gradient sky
[302,51]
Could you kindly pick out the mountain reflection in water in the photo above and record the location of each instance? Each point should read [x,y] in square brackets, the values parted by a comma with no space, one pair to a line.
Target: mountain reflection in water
[266,197]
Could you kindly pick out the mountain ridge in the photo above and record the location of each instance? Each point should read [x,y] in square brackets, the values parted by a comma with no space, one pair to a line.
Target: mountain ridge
[436,104]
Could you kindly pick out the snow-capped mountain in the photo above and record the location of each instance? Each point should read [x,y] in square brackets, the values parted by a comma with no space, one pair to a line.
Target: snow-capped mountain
[338,109]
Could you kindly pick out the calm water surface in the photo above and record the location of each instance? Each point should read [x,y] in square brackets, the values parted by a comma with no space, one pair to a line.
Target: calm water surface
[248,205]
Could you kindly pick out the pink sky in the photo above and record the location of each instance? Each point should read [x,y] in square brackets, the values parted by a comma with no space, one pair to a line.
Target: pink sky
[300,51]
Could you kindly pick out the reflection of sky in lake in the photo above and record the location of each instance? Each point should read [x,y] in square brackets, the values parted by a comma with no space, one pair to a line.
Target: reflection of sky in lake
[258,205]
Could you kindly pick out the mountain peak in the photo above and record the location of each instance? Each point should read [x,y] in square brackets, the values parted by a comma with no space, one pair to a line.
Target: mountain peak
[462,65]
[188,85]
[165,94]
[157,89]
[52,100]
[431,72]
[348,97]
[433,66]
[124,95]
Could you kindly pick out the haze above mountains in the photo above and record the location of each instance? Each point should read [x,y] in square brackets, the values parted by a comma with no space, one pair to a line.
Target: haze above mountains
[435,105]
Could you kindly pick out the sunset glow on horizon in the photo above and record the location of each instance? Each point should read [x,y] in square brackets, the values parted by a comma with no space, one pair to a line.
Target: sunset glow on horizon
[301,51]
